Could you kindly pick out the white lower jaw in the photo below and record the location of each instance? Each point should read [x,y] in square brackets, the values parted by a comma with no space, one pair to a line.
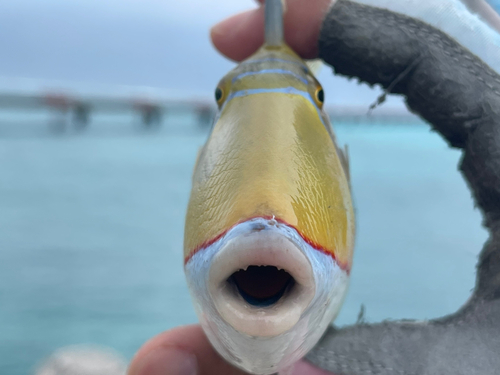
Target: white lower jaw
[263,340]
[261,248]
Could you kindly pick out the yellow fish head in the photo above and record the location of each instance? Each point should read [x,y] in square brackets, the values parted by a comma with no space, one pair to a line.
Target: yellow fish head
[270,225]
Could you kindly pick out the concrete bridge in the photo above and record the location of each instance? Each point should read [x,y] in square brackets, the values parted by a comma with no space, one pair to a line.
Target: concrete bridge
[81,108]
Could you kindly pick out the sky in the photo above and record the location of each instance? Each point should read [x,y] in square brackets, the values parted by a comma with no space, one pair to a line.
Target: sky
[157,43]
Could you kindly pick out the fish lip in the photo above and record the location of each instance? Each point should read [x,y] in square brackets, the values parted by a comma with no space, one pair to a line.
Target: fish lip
[266,247]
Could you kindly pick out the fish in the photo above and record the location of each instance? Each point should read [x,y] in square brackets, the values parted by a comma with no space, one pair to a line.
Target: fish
[270,225]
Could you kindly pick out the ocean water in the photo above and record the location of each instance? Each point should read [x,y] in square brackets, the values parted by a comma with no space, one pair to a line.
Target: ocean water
[91,227]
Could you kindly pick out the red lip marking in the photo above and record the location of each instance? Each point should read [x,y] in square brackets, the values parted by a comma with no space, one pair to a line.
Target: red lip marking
[315,246]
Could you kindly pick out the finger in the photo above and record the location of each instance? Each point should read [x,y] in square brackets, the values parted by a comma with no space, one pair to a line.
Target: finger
[305,368]
[241,35]
[181,351]
[186,351]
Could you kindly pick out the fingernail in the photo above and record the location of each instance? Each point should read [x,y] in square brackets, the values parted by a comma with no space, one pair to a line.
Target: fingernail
[166,361]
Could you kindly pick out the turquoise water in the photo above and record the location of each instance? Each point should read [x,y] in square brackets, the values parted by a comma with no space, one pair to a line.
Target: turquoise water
[91,234]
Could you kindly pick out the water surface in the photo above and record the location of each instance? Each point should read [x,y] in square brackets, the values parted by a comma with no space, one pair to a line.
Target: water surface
[91,229]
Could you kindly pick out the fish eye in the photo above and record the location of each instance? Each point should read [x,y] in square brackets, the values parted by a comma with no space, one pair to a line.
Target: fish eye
[218,94]
[319,96]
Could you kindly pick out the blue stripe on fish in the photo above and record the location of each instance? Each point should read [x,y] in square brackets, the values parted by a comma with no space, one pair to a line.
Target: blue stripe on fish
[283,90]
[276,60]
[271,71]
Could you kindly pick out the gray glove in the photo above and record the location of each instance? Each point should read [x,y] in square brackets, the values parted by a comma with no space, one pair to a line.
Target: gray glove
[459,95]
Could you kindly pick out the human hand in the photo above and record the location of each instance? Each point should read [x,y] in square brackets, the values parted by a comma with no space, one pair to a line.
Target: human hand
[186,351]
[452,81]
[241,35]
[455,91]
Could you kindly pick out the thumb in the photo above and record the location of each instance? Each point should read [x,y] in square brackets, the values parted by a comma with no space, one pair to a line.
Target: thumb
[241,35]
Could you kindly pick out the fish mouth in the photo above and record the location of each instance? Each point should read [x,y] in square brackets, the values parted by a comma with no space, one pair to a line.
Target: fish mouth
[261,283]
[262,286]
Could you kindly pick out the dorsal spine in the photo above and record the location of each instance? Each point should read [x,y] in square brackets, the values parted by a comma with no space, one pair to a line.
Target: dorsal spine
[274,23]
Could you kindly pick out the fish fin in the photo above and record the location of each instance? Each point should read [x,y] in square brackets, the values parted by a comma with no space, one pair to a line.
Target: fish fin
[198,155]
[274,10]
[314,66]
[344,160]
